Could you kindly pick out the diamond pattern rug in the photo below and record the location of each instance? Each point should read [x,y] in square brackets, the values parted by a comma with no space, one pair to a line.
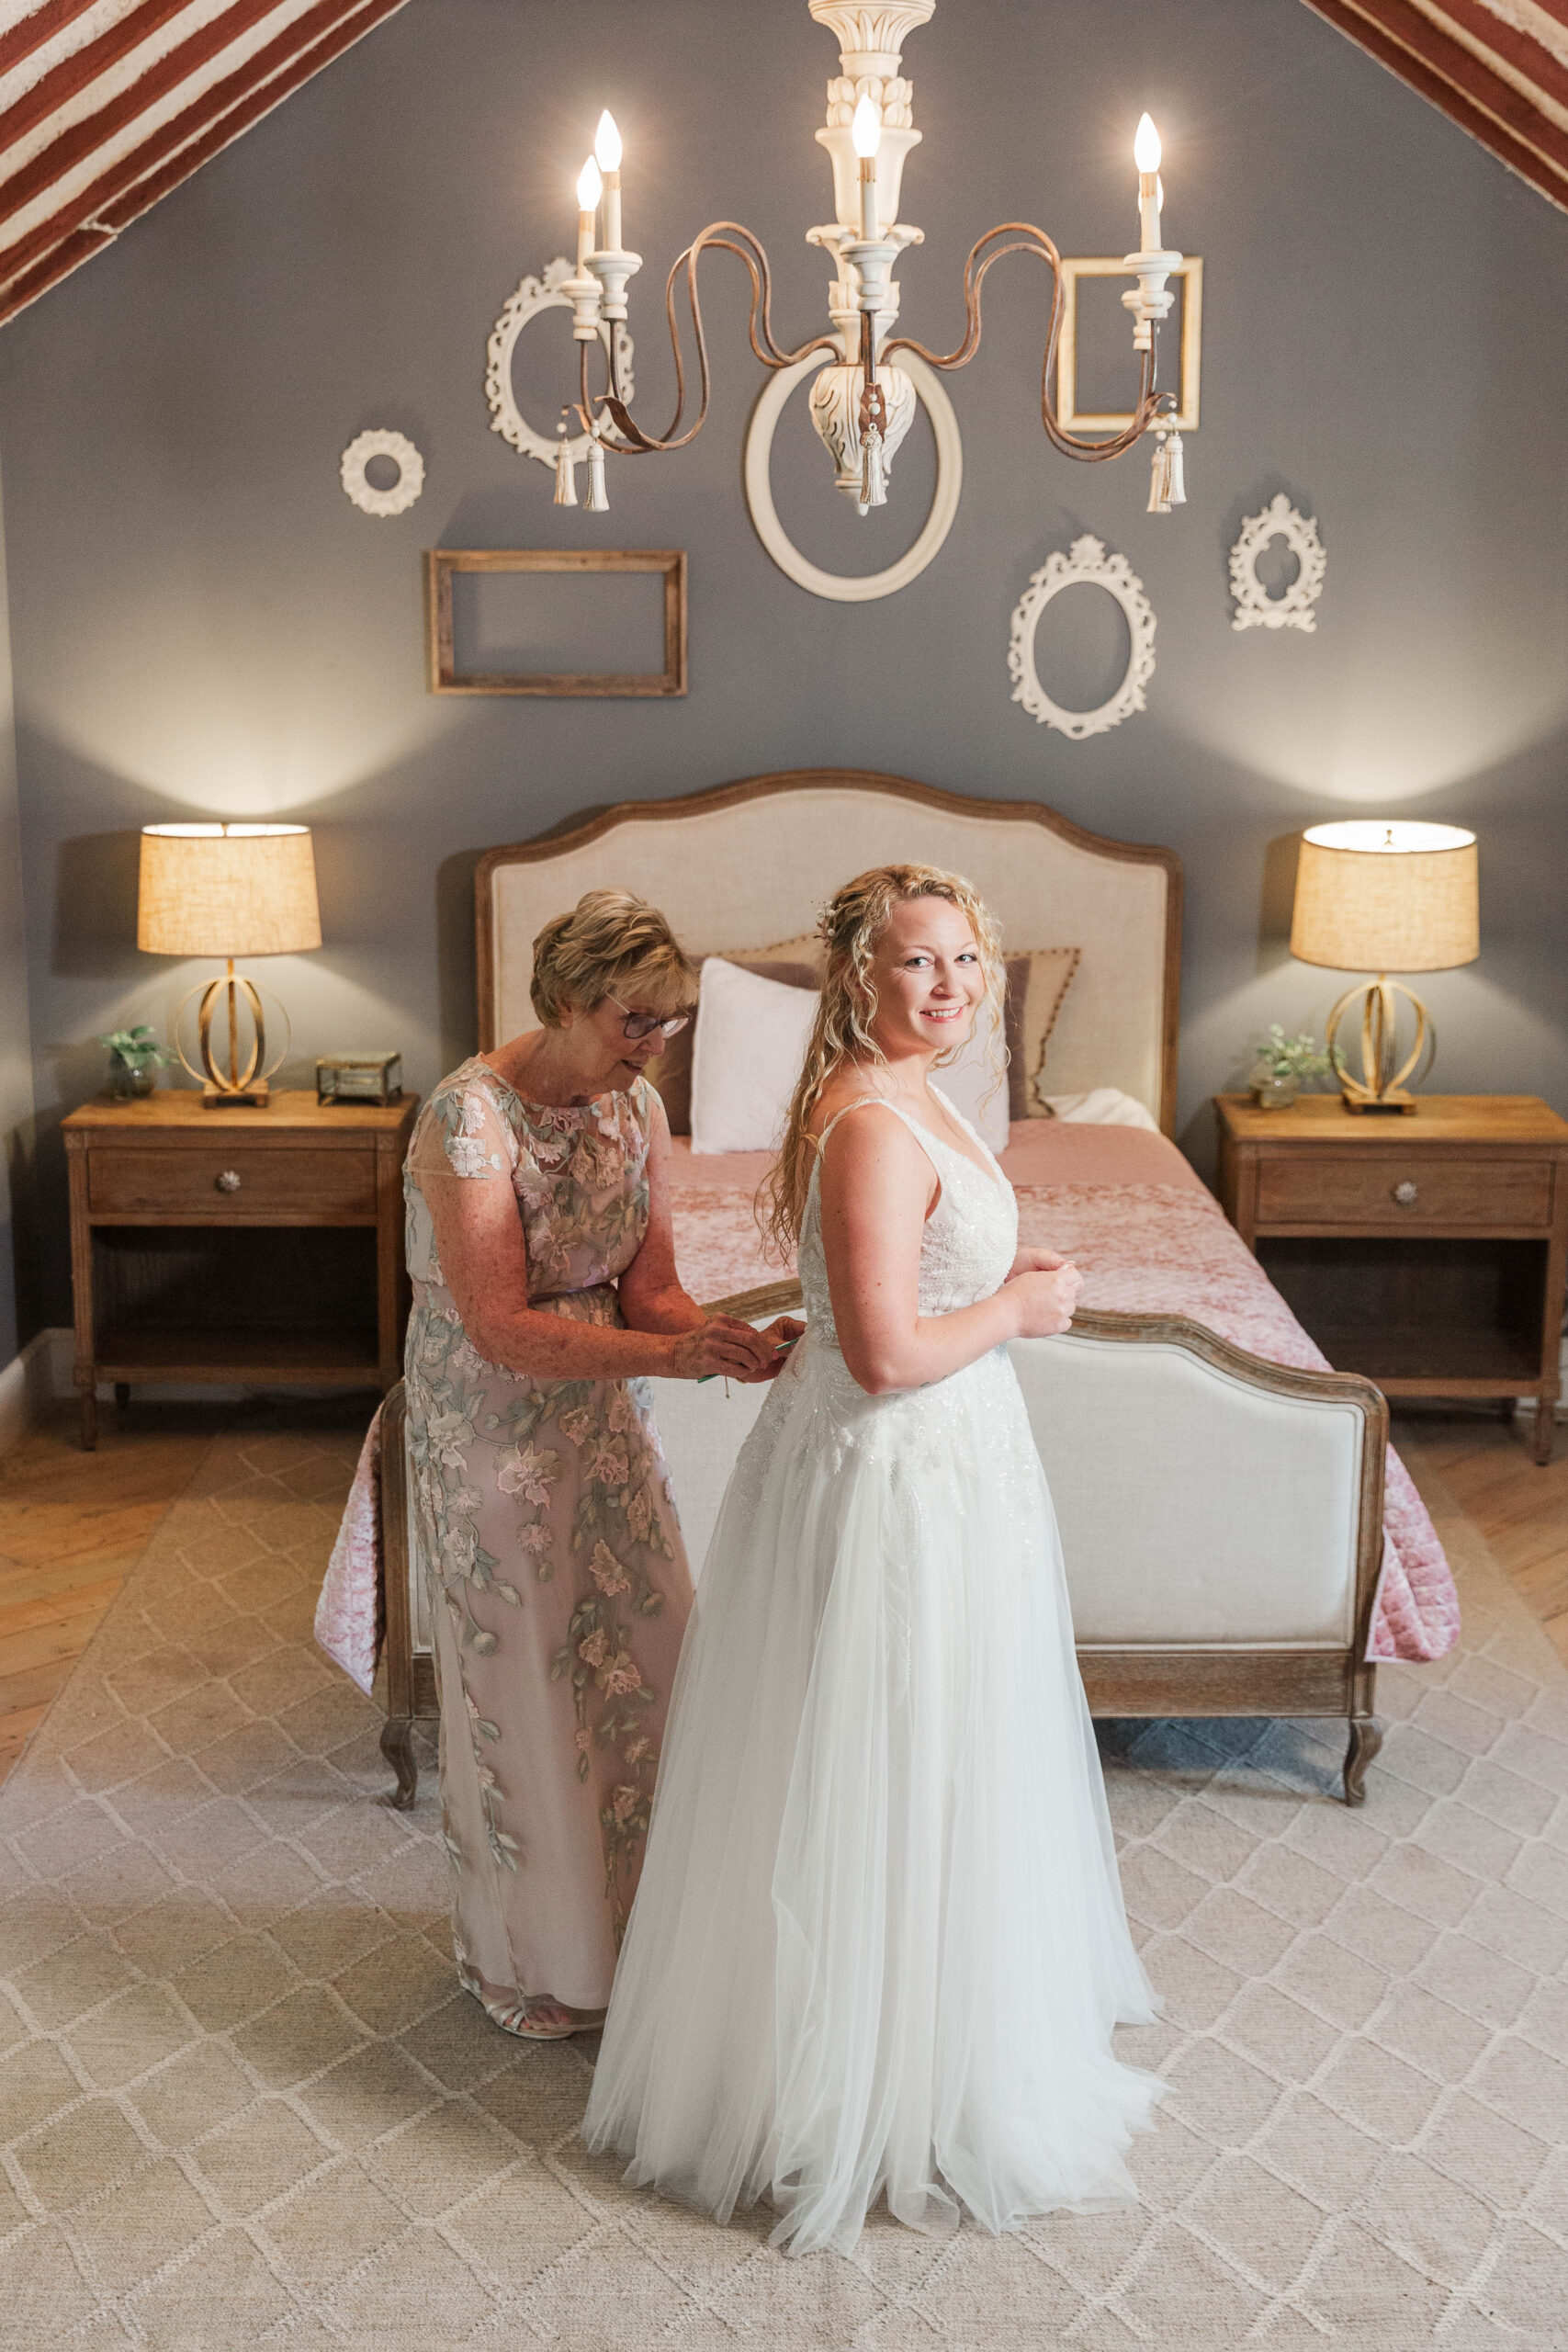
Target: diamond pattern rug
[243,2103]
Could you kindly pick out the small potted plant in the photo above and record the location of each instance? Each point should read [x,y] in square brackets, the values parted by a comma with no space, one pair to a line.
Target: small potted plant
[135,1058]
[1282,1064]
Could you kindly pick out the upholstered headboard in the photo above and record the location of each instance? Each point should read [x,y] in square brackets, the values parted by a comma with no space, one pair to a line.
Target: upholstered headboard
[751,862]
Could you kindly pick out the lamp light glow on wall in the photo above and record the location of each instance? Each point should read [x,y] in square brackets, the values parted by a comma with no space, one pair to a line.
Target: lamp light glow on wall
[228,890]
[1383,898]
[868,133]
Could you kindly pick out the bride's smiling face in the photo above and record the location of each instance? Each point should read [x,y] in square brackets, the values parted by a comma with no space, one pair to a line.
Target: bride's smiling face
[929,976]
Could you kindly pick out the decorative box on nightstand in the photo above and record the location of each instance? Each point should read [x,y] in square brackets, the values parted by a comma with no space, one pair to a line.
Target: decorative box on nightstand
[249,1244]
[1429,1252]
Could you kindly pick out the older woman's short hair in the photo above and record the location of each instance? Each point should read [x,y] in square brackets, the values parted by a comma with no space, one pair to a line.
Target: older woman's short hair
[612,943]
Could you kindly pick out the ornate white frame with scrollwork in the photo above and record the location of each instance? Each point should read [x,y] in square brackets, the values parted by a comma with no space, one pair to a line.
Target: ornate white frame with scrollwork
[533,295]
[1255,608]
[1085,563]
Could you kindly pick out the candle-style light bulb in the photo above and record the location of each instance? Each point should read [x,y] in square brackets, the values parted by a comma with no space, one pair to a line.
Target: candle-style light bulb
[589,189]
[607,155]
[866,133]
[1146,155]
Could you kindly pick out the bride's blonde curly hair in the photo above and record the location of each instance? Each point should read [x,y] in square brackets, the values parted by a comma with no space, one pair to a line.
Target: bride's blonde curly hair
[851,927]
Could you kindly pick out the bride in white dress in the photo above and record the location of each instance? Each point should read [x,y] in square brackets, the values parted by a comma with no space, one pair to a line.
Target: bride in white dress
[879,1945]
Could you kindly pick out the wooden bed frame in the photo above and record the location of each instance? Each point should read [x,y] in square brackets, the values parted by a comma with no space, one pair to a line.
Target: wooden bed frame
[1135,891]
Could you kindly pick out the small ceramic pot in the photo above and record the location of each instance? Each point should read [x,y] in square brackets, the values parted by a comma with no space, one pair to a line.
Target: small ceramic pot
[1276,1093]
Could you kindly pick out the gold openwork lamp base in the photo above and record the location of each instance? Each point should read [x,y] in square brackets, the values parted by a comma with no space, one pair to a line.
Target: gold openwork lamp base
[1381,1086]
[1380,896]
[220,1088]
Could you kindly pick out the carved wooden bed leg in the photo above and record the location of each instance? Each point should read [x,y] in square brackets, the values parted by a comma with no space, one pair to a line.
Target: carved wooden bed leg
[1366,1738]
[396,1746]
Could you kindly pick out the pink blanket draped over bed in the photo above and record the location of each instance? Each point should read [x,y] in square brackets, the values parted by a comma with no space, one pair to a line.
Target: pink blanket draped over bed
[1150,1239]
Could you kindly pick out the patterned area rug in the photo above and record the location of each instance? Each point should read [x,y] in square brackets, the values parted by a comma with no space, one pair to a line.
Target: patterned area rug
[243,2104]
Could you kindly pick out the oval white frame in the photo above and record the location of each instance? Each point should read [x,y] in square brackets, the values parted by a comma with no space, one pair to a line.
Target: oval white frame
[1255,608]
[533,295]
[838,587]
[1086,562]
[404,490]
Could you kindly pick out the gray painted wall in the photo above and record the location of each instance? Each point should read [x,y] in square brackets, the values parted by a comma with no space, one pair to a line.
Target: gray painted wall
[204,625]
[16,1040]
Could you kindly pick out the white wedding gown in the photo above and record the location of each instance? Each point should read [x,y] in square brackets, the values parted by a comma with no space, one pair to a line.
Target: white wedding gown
[879,1944]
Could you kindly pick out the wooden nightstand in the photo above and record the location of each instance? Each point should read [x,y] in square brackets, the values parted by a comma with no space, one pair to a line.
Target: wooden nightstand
[1428,1251]
[237,1245]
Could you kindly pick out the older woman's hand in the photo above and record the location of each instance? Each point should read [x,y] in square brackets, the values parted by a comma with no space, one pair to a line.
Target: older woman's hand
[780,1338]
[720,1343]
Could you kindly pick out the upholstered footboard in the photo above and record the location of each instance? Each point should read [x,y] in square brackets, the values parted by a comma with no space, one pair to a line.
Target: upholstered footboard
[1221,1517]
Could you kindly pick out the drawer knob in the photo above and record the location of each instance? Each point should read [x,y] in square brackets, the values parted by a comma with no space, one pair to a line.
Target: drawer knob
[1405,1193]
[227,1181]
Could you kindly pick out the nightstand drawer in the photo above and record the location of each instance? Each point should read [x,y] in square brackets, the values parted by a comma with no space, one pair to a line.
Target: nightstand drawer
[236,1180]
[1387,1187]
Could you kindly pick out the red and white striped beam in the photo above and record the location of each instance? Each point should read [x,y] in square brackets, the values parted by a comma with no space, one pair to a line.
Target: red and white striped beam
[107,105]
[1498,68]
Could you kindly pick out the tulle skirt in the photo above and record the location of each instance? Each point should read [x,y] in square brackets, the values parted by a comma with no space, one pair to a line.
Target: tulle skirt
[879,1945]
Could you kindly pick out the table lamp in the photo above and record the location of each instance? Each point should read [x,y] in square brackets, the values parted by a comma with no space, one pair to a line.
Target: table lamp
[228,890]
[1385,898]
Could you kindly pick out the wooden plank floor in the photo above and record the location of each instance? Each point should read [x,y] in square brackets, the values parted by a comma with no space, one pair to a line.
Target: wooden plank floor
[73,1525]
[1519,1508]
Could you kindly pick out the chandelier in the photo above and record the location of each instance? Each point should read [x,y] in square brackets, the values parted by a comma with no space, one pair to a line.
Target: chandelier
[864,402]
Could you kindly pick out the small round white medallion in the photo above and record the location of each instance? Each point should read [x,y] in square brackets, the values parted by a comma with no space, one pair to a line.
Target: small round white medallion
[356,480]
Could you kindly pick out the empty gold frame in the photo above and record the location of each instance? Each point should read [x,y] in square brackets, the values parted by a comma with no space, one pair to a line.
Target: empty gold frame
[446,678]
[1074,418]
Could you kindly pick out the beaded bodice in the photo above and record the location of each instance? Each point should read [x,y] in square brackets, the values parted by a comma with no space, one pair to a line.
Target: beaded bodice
[970,1239]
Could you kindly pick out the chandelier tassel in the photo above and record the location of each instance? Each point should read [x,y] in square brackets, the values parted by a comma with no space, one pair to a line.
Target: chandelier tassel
[1175,484]
[1159,479]
[566,470]
[873,472]
[598,496]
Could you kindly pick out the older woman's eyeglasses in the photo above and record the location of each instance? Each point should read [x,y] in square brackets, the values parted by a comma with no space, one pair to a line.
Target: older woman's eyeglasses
[643,1025]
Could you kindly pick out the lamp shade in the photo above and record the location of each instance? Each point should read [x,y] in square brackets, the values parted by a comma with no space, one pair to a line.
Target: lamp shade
[1373,897]
[227,890]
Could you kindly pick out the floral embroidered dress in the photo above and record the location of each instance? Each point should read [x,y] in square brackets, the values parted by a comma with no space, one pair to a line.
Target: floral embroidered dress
[559,1588]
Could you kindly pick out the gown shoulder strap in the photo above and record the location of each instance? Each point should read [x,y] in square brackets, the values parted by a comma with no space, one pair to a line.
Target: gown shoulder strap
[878,1102]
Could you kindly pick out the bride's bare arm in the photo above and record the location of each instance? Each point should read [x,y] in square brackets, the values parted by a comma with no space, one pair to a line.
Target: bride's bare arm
[877,1187]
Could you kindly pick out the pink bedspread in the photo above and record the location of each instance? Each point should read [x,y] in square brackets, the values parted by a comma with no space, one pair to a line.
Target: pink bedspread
[1150,1239]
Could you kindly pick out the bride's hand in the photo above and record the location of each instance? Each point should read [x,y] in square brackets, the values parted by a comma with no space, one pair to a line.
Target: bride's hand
[721,1344]
[1036,1261]
[780,1338]
[1043,1302]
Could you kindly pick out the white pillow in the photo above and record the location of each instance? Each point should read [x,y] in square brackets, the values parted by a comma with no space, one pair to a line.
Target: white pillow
[975,1083]
[746,1051]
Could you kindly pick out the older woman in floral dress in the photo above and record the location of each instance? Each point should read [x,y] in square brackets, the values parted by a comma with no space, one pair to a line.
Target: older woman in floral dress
[545,1288]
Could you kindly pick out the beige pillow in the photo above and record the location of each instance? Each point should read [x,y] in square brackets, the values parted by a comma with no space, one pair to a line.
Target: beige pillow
[1038,981]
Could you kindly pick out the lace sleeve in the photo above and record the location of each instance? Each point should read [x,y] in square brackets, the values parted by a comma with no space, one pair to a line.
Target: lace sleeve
[463,1133]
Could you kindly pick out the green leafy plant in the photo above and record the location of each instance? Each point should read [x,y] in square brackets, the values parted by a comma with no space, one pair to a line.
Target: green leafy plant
[138,1047]
[1297,1058]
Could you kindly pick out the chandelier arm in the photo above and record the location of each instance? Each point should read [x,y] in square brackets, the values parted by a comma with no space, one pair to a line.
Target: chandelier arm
[1031,240]
[974,269]
[721,236]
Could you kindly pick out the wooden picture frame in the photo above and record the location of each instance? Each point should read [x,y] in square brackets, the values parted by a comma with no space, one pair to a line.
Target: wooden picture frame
[442,563]
[1074,419]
